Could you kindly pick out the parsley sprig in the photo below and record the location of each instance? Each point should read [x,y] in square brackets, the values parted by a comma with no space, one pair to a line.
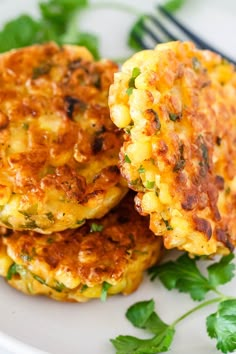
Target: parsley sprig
[185,276]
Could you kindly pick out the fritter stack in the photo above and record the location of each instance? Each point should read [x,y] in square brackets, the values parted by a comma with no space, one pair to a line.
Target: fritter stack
[59,168]
[176,105]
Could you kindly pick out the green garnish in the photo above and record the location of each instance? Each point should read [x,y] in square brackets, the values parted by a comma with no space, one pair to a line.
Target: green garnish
[26,257]
[58,21]
[196,64]
[175,116]
[141,169]
[32,210]
[59,287]
[84,287]
[39,279]
[173,5]
[184,275]
[149,184]
[79,222]
[131,85]
[105,287]
[41,70]
[168,227]
[31,224]
[50,216]
[127,159]
[50,240]
[96,227]
[13,270]
[25,126]
[134,182]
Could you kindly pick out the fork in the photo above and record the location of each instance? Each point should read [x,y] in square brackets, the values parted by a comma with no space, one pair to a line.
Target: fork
[151,30]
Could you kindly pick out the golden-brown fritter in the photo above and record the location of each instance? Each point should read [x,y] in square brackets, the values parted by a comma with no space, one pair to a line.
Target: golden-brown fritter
[109,254]
[59,148]
[177,107]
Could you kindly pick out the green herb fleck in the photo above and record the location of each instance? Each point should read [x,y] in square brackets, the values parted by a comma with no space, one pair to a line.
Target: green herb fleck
[80,222]
[96,227]
[227,190]
[168,227]
[50,216]
[39,279]
[134,182]
[196,64]
[127,159]
[59,287]
[83,288]
[175,116]
[50,240]
[131,85]
[141,169]
[7,223]
[41,70]
[149,184]
[129,91]
[25,126]
[26,257]
[13,270]
[105,287]
[31,224]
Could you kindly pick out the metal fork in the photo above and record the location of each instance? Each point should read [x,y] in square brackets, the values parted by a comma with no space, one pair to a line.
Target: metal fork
[151,30]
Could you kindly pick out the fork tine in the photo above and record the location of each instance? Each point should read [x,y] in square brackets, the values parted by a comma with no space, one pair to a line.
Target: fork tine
[153,35]
[138,39]
[158,24]
[192,36]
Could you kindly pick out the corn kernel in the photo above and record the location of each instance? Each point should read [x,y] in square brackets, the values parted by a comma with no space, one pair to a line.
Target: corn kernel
[164,194]
[120,115]
[139,151]
[150,202]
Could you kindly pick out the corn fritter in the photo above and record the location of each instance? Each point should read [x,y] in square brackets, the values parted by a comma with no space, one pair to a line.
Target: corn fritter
[59,148]
[109,254]
[176,105]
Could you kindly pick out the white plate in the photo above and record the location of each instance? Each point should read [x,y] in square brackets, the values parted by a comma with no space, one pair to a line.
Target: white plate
[31,325]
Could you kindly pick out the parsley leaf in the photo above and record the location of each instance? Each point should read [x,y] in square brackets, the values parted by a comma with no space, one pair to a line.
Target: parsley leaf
[132,345]
[222,326]
[183,275]
[18,33]
[139,313]
[173,5]
[142,315]
[221,272]
[58,22]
